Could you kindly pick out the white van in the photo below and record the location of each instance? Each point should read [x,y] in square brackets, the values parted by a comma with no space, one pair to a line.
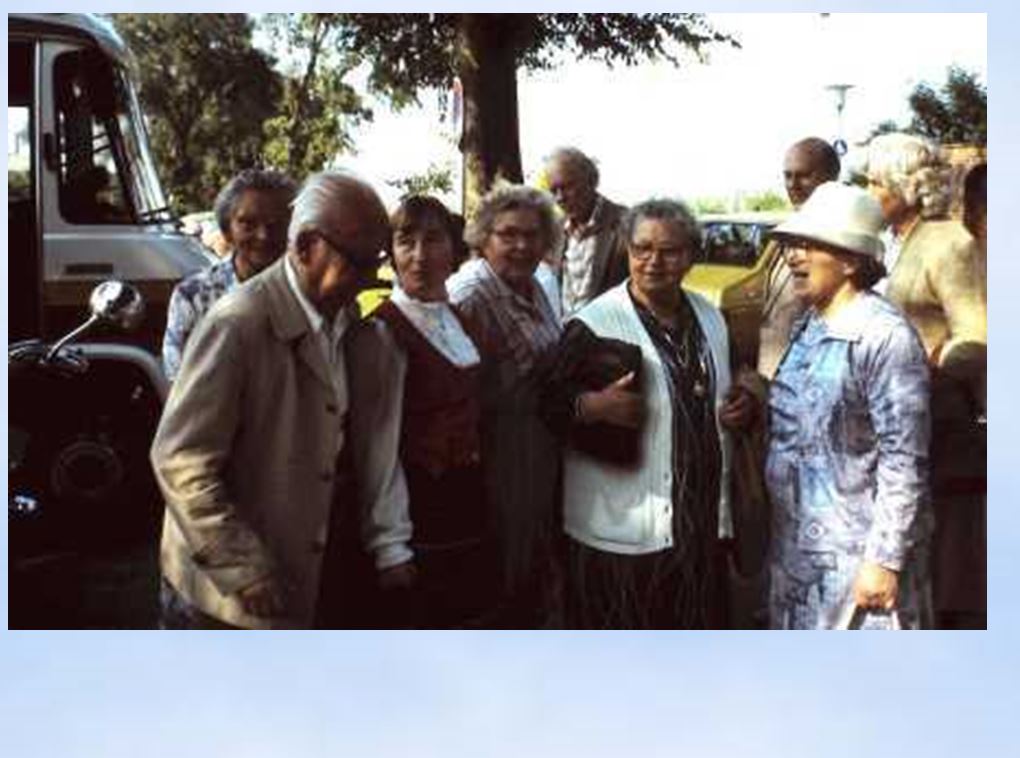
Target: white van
[84,200]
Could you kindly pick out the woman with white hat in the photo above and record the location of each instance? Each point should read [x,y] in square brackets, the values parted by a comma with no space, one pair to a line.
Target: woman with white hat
[847,466]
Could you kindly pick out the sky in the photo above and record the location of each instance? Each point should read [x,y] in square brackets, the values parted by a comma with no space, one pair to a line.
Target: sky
[696,131]
[725,695]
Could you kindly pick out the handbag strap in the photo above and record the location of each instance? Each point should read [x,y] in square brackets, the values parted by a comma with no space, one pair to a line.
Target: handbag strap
[853,616]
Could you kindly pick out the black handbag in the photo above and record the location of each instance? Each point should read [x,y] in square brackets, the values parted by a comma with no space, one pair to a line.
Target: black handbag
[585,363]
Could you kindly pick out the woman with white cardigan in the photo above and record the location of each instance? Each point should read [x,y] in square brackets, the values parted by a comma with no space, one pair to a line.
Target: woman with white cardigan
[646,464]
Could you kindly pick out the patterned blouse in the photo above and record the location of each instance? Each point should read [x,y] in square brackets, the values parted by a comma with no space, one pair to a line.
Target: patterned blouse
[511,328]
[191,299]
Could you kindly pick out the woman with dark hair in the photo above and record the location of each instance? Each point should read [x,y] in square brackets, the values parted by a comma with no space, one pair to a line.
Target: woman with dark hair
[438,440]
[847,467]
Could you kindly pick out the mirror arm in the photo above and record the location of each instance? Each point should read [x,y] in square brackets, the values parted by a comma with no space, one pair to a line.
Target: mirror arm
[68,337]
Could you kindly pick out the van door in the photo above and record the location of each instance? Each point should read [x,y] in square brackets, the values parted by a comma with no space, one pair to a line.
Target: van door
[103,213]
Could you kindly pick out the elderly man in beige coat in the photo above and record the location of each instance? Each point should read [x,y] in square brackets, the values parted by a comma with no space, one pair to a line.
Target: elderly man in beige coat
[279,383]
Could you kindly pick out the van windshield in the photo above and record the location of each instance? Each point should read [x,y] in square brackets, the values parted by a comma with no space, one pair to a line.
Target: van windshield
[146,189]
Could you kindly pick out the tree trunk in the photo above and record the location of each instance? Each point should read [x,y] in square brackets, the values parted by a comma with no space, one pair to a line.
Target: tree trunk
[297,132]
[487,66]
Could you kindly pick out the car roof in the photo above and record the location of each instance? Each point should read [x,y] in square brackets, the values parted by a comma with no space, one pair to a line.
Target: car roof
[766,218]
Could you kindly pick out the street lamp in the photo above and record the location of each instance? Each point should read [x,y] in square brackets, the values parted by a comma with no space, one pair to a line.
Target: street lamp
[839,92]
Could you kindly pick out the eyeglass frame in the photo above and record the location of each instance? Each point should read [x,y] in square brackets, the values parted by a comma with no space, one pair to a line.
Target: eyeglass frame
[644,253]
[344,251]
[512,234]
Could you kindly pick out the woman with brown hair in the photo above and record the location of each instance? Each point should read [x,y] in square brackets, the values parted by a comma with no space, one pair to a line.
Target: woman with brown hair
[438,439]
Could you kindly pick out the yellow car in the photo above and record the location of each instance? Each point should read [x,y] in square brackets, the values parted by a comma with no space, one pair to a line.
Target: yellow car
[731,273]
[378,292]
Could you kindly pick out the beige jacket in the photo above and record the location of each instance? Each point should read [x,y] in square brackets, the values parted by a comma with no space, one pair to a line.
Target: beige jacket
[938,282]
[245,454]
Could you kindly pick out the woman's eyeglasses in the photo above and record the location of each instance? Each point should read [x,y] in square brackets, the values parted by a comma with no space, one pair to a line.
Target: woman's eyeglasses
[669,254]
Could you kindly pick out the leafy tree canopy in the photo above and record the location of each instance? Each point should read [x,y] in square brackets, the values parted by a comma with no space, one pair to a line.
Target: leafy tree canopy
[411,52]
[318,106]
[206,91]
[957,112]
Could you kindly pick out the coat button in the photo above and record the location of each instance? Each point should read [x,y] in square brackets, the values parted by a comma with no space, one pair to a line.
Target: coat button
[331,408]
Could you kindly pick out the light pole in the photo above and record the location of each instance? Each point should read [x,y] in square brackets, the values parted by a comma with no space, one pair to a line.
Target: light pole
[839,92]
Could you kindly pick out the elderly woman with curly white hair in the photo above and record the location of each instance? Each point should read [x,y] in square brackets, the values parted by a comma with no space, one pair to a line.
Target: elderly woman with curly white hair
[514,324]
[935,272]
[938,280]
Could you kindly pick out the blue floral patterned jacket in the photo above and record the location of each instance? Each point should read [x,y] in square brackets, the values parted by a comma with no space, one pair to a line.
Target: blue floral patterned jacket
[847,467]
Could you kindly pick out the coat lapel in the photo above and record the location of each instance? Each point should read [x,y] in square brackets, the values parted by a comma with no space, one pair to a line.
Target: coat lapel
[291,324]
[606,219]
[310,352]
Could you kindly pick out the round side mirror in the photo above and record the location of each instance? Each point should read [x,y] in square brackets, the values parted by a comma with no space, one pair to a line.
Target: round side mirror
[117,303]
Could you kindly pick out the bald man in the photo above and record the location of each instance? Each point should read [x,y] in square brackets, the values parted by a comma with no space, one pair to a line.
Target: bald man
[807,164]
[265,407]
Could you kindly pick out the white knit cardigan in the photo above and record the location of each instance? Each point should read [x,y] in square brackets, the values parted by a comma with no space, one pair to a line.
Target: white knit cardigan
[630,510]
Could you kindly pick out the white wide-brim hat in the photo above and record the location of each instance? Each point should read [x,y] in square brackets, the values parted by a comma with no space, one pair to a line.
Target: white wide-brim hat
[838,215]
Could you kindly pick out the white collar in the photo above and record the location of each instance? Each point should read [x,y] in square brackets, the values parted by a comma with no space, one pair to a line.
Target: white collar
[434,306]
[436,322]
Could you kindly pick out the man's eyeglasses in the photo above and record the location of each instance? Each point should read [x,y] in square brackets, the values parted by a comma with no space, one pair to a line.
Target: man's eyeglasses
[365,263]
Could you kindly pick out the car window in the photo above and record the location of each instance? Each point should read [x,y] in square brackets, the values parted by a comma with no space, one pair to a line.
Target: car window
[731,243]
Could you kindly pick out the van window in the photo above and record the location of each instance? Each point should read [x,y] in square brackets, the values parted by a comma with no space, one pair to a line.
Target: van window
[23,269]
[19,109]
[91,189]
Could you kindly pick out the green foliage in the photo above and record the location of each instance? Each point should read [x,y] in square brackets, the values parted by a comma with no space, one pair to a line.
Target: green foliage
[702,205]
[414,51]
[318,106]
[206,91]
[769,200]
[409,53]
[436,180]
[958,112]
[955,113]
[884,127]
[19,184]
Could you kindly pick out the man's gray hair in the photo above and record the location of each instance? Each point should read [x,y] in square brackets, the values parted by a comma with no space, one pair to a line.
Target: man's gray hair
[513,197]
[669,211]
[911,167]
[322,191]
[573,157]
